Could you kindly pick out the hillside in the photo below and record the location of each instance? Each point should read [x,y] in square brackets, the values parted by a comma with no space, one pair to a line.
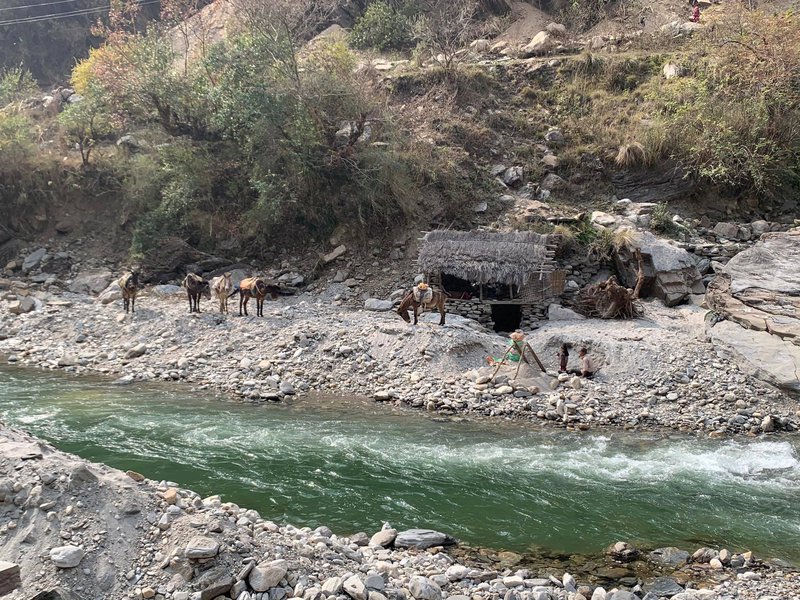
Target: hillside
[221,134]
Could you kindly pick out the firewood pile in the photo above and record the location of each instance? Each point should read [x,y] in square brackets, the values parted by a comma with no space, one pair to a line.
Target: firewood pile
[609,300]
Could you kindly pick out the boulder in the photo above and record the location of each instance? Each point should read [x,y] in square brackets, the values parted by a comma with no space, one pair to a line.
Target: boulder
[33,260]
[423,588]
[758,353]
[556,312]
[66,557]
[551,181]
[267,575]
[422,538]
[167,291]
[663,587]
[377,305]
[542,43]
[728,231]
[334,254]
[201,547]
[670,556]
[111,294]
[91,282]
[355,588]
[385,538]
[24,305]
[557,30]
[513,176]
[137,351]
[758,293]
[671,273]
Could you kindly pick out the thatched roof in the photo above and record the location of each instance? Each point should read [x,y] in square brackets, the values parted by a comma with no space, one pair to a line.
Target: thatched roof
[488,257]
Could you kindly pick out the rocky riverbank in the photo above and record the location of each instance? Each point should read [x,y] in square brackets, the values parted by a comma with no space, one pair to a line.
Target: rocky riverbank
[659,372]
[77,530]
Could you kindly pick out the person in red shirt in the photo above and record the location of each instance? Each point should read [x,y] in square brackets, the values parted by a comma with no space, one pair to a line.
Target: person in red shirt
[695,12]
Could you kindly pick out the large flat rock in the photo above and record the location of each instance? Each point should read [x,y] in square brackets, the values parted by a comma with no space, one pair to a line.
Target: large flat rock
[759,353]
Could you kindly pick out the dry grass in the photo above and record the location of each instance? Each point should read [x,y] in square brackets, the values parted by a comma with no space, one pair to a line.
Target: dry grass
[631,155]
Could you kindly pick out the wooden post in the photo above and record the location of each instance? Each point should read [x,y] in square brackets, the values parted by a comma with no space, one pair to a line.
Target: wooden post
[501,363]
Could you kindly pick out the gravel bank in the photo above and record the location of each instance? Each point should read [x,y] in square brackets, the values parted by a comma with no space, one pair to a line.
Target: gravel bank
[659,372]
[79,530]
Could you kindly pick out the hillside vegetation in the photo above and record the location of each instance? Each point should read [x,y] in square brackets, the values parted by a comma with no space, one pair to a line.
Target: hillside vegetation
[264,138]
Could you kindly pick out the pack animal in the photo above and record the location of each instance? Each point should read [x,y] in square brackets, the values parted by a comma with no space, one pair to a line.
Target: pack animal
[422,298]
[129,283]
[255,287]
[196,287]
[221,287]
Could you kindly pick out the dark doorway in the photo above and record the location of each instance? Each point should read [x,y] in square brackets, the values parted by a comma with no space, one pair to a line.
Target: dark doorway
[506,317]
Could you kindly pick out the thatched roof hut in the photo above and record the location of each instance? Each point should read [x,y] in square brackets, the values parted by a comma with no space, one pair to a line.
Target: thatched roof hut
[488,257]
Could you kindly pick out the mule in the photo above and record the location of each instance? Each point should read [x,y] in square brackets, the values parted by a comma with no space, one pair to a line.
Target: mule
[221,287]
[255,287]
[129,283]
[196,286]
[424,297]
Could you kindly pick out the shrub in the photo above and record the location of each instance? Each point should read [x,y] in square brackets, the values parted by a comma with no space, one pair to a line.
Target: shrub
[381,28]
[661,218]
[16,84]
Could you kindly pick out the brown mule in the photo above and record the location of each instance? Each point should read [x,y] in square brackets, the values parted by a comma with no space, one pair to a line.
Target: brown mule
[255,287]
[422,297]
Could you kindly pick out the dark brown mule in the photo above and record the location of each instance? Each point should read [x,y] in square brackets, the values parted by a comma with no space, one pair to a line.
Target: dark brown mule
[255,287]
[129,283]
[436,300]
[196,286]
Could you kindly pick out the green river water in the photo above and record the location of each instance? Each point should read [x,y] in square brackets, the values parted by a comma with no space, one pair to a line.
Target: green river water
[352,465]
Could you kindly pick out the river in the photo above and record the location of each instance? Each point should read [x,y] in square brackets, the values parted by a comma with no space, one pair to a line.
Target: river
[352,464]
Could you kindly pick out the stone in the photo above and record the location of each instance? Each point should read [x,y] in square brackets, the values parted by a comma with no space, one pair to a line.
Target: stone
[555,137]
[167,291]
[332,586]
[355,588]
[551,182]
[423,588]
[670,556]
[201,547]
[480,207]
[457,572]
[603,219]
[671,273]
[111,294]
[513,176]
[672,70]
[728,231]
[556,30]
[376,305]
[10,578]
[385,538]
[550,161]
[92,282]
[334,254]
[663,587]
[66,557]
[24,305]
[267,575]
[542,43]
[137,351]
[422,538]
[556,312]
[33,260]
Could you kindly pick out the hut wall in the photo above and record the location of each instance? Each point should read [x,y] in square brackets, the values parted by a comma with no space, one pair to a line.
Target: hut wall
[532,313]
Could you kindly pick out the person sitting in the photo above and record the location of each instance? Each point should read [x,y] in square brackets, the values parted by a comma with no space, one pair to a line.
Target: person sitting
[515,352]
[588,368]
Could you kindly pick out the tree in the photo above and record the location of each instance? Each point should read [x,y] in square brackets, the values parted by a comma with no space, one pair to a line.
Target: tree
[446,29]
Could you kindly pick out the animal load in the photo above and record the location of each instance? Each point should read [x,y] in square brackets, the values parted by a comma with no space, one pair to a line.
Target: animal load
[255,287]
[609,300]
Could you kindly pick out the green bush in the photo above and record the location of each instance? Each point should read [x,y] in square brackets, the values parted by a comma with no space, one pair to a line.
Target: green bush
[381,28]
[16,84]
